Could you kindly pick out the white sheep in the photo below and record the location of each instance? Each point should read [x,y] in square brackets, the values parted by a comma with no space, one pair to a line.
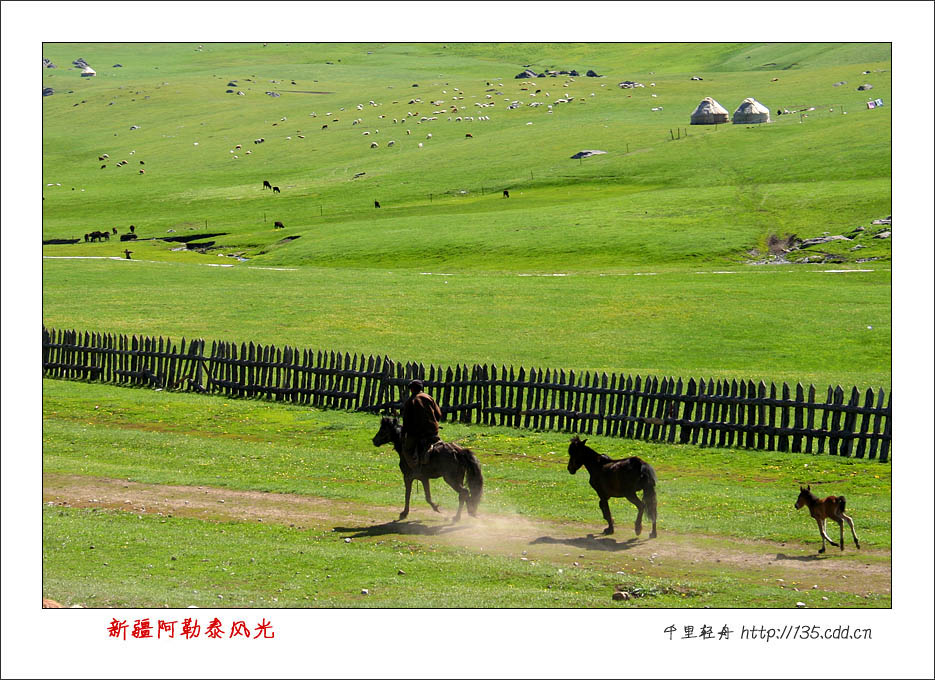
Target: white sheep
[428,136]
[390,143]
[374,145]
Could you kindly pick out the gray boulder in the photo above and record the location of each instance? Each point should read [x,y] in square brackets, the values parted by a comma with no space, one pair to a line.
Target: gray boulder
[865,86]
[46,91]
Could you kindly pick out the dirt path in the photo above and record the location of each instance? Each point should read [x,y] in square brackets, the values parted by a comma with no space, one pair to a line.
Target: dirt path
[672,555]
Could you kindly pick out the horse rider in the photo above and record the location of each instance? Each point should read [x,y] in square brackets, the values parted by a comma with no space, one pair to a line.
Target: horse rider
[420,425]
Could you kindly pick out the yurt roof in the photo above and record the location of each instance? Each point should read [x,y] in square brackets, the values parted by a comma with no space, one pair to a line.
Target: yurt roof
[751,105]
[708,105]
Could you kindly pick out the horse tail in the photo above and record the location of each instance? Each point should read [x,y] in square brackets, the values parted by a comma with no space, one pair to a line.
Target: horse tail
[475,479]
[648,479]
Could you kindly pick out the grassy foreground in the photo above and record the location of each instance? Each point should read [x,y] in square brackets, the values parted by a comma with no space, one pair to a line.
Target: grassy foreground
[156,438]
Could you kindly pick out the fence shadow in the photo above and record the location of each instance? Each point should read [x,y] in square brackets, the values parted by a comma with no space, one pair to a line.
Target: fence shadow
[404,527]
[590,542]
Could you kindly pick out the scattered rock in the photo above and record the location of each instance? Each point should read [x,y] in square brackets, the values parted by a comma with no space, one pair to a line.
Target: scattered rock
[822,239]
[347,540]
[47,63]
[528,73]
[800,605]
[587,153]
[629,84]
[46,91]
[883,234]
[865,86]
[592,74]
[885,220]
[839,83]
[364,591]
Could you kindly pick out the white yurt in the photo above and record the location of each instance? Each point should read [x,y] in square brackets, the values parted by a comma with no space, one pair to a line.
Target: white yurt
[751,111]
[709,112]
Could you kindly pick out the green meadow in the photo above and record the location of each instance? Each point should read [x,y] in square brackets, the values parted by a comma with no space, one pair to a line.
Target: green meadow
[660,257]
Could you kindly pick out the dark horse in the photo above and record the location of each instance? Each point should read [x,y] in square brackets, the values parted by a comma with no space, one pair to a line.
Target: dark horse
[446,460]
[823,509]
[616,478]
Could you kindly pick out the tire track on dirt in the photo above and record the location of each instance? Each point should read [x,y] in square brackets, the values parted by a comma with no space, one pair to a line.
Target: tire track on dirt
[569,544]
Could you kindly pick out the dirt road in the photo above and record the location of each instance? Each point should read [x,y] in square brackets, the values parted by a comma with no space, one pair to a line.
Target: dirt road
[672,555]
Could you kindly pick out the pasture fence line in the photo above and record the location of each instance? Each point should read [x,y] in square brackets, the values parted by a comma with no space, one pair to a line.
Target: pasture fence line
[721,413]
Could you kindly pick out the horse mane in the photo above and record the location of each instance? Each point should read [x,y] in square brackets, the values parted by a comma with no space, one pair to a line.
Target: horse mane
[588,453]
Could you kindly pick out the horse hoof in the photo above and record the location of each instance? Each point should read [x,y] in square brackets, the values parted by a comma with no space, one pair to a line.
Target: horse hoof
[653,535]
[403,515]
[608,530]
[435,508]
[821,551]
[638,530]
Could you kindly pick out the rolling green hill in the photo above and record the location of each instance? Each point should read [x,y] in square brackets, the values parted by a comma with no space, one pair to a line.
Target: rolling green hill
[666,198]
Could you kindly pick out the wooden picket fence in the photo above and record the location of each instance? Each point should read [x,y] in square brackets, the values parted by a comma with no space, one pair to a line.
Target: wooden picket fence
[722,413]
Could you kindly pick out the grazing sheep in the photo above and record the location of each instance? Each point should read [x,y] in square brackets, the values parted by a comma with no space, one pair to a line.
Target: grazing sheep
[275,190]
[374,145]
[238,146]
[428,136]
[390,143]
[142,171]
[408,132]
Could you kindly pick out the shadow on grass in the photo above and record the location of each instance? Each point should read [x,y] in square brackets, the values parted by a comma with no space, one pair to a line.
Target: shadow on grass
[590,542]
[404,527]
[800,558]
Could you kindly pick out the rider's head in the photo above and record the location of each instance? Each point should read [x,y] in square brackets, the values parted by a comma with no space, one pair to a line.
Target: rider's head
[415,386]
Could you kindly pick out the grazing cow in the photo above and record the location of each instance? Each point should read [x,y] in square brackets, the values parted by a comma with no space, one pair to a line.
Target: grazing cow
[469,136]
[275,190]
[266,184]
[142,163]
[278,225]
[506,193]
[376,204]
[142,171]
[103,166]
[324,126]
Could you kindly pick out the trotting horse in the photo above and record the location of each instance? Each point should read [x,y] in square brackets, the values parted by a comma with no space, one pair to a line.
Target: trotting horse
[615,479]
[450,461]
[831,508]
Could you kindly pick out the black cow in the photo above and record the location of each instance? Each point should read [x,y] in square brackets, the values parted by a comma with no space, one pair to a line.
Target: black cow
[275,190]
[266,184]
[278,225]
[506,193]
[376,204]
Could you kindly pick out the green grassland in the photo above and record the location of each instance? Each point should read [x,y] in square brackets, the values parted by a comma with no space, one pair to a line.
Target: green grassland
[634,261]
[651,205]
[179,439]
